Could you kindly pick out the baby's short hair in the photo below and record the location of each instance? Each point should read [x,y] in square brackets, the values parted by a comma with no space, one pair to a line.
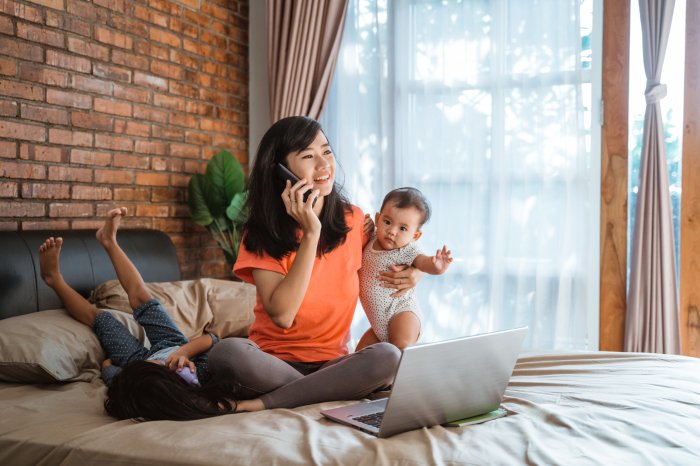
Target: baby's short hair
[409,197]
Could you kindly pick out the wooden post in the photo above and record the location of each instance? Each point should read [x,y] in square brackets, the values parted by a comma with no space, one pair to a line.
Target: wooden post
[690,198]
[614,167]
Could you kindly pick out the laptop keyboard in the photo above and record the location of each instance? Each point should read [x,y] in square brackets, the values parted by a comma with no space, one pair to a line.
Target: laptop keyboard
[374,419]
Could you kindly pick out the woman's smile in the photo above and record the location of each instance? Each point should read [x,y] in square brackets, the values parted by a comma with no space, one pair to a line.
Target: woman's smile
[323,181]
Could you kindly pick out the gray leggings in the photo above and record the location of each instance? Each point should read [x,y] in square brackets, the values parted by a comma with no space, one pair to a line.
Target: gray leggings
[279,385]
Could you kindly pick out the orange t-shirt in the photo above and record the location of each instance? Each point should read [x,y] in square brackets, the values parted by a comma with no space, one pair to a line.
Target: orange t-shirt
[321,327]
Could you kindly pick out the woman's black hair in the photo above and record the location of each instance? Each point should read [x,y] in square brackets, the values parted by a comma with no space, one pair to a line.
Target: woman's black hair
[269,228]
[151,392]
[409,197]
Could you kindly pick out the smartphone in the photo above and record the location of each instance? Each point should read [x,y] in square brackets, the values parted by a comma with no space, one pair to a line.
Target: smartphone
[286,174]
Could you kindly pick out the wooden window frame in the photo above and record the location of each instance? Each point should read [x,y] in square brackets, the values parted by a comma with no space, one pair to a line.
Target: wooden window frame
[614,177]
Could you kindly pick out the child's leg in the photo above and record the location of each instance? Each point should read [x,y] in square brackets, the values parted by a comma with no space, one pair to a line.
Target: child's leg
[78,307]
[369,338]
[120,346]
[404,329]
[117,342]
[160,329]
[128,275]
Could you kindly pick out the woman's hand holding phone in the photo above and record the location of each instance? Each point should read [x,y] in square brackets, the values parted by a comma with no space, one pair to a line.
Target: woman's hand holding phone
[286,174]
[294,197]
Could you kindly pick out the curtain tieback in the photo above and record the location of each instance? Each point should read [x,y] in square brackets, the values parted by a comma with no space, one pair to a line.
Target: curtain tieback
[655,92]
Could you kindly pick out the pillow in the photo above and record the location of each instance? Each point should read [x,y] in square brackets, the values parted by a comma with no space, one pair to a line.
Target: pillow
[51,346]
[222,307]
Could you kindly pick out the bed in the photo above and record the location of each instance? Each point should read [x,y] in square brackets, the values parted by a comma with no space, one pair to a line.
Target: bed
[564,407]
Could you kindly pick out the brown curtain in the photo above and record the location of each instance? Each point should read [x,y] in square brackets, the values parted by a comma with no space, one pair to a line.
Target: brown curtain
[304,39]
[651,324]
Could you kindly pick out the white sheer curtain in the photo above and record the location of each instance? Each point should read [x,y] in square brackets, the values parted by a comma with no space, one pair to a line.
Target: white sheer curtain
[486,106]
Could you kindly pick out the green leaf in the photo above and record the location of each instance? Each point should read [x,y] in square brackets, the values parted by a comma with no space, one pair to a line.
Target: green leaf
[217,201]
[224,179]
[235,210]
[230,258]
[223,223]
[198,206]
[238,247]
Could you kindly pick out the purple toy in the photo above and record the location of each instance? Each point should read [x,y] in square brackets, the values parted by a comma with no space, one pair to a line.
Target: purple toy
[189,376]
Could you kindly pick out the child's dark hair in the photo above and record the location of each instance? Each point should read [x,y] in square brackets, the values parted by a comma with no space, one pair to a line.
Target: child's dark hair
[146,391]
[269,228]
[409,197]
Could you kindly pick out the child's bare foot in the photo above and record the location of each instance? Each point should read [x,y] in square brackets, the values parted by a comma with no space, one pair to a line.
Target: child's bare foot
[107,235]
[48,260]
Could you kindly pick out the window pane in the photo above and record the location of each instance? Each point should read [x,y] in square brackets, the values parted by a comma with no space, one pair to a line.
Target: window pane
[456,144]
[531,112]
[486,107]
[449,40]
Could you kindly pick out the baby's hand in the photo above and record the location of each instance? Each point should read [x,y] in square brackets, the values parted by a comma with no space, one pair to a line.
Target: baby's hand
[177,361]
[442,259]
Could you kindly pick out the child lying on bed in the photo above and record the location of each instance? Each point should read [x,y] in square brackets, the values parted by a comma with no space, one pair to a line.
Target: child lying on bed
[162,382]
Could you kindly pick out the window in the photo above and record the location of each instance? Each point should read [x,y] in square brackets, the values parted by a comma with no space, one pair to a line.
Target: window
[491,109]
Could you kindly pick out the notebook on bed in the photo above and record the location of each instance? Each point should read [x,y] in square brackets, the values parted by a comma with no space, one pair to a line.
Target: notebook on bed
[438,383]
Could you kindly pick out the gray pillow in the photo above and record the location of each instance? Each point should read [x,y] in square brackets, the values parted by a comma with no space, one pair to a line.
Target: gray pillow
[50,346]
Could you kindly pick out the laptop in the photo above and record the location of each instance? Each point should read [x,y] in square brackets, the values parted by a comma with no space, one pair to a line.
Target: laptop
[438,383]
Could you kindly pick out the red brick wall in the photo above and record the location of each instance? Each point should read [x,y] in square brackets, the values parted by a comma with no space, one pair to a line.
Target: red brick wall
[117,102]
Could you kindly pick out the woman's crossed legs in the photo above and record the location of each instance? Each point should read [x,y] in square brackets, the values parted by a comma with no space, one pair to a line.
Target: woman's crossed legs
[279,385]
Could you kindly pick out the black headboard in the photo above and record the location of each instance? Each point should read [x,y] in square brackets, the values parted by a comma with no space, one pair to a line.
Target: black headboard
[84,265]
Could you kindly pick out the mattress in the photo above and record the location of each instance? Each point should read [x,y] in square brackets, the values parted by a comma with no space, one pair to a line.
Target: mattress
[563,408]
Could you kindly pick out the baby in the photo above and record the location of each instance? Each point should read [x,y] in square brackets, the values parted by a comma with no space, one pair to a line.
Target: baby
[396,319]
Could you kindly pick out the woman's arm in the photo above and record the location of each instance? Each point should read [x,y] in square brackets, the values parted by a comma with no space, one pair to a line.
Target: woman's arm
[282,295]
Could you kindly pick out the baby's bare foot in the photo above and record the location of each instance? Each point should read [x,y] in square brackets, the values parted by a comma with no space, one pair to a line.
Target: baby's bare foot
[48,260]
[107,235]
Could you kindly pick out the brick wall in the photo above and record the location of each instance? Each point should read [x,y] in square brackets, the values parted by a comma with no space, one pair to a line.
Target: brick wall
[117,102]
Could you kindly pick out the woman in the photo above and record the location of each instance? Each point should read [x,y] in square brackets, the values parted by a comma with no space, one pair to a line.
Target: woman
[302,249]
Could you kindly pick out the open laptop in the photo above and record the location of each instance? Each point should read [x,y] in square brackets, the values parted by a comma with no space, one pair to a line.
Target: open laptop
[440,382]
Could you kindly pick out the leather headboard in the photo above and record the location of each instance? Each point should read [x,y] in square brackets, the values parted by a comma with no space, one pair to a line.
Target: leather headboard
[84,265]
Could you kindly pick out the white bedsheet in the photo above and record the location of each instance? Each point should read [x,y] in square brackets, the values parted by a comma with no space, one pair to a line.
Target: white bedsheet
[565,409]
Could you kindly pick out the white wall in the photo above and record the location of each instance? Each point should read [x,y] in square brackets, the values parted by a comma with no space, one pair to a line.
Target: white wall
[258,104]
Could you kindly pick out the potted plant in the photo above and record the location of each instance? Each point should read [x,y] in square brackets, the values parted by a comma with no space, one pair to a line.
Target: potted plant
[217,201]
